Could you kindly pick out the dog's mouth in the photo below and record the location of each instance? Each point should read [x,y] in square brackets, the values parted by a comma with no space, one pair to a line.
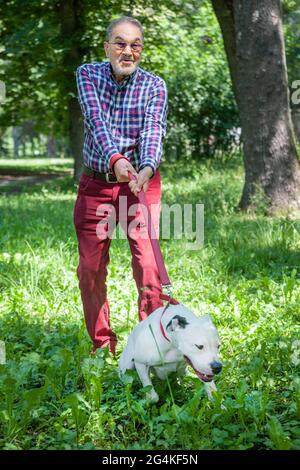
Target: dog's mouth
[203,377]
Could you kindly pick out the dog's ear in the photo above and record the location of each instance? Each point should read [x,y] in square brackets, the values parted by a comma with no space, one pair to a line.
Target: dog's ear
[177,322]
[207,318]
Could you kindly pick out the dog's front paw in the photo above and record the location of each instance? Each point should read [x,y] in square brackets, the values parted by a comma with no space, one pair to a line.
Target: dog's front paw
[152,396]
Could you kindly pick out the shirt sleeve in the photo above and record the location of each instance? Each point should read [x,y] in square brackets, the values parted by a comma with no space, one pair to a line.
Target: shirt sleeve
[154,128]
[93,117]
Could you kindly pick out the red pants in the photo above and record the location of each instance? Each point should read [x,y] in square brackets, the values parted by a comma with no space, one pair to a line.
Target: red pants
[97,206]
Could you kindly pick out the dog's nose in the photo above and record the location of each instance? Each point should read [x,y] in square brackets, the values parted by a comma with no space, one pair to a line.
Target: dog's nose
[216,367]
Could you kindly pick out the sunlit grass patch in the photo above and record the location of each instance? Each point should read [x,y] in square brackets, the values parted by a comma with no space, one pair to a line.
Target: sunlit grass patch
[35,165]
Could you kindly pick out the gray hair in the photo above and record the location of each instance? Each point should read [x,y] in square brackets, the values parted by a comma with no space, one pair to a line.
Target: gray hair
[123,19]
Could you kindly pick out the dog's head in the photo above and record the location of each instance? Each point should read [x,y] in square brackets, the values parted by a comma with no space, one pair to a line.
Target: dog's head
[198,340]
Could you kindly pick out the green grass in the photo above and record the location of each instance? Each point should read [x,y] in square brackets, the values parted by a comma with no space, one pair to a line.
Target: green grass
[54,396]
[31,166]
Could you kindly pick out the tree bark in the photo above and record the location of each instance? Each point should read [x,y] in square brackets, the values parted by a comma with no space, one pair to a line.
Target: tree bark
[72,28]
[16,141]
[259,76]
[224,12]
[76,135]
[296,123]
[51,146]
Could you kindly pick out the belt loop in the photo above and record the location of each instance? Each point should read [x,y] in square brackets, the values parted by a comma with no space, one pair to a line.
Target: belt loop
[93,174]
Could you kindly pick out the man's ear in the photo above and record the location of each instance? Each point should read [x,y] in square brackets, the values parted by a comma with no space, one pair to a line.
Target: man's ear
[177,322]
[106,46]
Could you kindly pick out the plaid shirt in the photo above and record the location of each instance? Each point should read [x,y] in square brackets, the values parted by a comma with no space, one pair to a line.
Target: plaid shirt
[127,118]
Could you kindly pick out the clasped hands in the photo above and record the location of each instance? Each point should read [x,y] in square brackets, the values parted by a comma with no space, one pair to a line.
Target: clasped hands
[121,168]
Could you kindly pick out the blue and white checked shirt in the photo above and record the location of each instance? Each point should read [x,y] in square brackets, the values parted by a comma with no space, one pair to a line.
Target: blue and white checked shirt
[127,118]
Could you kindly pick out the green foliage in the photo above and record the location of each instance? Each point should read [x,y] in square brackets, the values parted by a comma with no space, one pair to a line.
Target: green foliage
[53,395]
[202,112]
[39,56]
[30,65]
[183,44]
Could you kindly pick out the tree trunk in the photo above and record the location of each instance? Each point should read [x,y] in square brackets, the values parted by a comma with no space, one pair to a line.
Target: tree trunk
[260,82]
[16,141]
[224,12]
[76,135]
[51,146]
[72,28]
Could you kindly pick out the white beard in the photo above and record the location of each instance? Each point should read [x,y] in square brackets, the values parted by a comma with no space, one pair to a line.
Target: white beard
[125,70]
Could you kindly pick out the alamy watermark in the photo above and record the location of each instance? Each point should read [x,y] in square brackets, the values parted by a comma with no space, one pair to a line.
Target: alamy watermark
[180,222]
[296,94]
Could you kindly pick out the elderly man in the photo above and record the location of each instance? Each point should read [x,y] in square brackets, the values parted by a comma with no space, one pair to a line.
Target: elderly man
[124,109]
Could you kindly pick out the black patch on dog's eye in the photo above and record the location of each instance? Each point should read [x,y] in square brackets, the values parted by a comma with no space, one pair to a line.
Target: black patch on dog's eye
[182,321]
[199,346]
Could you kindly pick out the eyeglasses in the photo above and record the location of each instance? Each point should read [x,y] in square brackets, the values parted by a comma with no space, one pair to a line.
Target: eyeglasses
[121,46]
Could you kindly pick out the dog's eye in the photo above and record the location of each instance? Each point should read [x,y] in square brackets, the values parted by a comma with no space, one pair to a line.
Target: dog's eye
[218,346]
[199,346]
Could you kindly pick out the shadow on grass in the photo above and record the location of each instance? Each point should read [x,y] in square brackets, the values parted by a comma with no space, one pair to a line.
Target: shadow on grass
[32,183]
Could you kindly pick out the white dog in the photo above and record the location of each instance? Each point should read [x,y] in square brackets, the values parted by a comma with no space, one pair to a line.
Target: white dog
[168,342]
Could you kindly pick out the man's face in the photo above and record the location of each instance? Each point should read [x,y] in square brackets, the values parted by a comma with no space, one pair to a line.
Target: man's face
[123,58]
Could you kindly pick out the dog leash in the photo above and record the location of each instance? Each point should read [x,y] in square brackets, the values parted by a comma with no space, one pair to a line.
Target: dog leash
[164,278]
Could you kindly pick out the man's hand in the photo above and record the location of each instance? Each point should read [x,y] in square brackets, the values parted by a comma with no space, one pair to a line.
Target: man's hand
[121,168]
[142,180]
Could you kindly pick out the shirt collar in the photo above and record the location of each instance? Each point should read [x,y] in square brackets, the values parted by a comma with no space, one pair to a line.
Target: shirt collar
[126,80]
